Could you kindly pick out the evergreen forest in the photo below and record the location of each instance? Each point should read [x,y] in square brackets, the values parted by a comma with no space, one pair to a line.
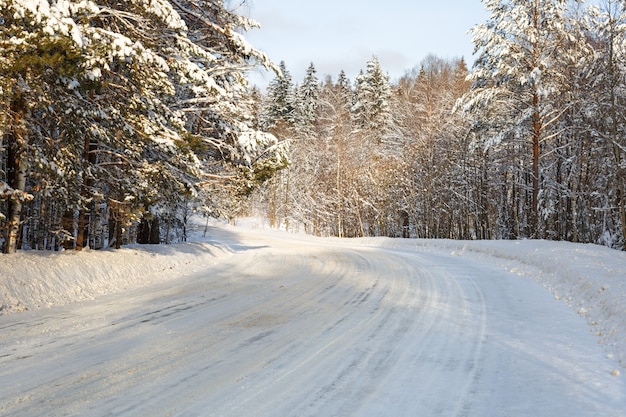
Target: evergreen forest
[119,119]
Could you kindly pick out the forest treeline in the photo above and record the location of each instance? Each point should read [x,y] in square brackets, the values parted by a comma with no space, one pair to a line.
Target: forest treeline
[528,143]
[120,118]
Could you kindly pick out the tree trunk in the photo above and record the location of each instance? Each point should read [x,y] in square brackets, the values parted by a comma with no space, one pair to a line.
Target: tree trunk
[89,158]
[149,232]
[15,174]
[115,224]
[404,215]
[536,134]
[115,233]
[534,220]
[68,224]
[273,202]
[286,212]
[621,190]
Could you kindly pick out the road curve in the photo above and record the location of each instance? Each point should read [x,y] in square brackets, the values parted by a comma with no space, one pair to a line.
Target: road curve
[293,327]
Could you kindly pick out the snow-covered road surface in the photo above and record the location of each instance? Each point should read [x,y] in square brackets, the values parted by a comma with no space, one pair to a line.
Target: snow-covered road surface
[293,327]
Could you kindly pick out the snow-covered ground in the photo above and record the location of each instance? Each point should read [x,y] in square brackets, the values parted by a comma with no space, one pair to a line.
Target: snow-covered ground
[32,280]
[591,279]
[259,322]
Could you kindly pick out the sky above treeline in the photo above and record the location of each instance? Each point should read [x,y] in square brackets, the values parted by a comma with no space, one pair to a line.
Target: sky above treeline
[337,35]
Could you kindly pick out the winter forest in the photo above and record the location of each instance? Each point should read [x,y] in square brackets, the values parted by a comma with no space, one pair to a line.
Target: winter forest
[119,119]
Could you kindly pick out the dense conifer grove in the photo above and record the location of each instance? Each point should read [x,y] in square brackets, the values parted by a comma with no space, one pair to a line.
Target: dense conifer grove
[120,118]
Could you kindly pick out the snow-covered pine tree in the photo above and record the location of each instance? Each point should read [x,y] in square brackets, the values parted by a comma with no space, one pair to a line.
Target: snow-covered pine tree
[515,81]
[105,97]
[337,154]
[371,109]
[346,93]
[281,100]
[41,61]
[308,99]
[606,110]
[564,200]
[222,114]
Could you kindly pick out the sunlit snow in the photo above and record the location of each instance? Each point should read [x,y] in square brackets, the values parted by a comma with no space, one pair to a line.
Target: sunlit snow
[252,321]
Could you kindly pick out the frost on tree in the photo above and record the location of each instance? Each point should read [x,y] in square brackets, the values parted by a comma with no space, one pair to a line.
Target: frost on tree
[371,108]
[308,99]
[605,107]
[516,90]
[281,98]
[110,108]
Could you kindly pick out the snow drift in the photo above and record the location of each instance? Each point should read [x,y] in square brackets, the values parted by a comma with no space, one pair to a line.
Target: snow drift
[31,280]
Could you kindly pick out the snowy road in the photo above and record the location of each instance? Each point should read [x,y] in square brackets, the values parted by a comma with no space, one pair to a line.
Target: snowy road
[291,327]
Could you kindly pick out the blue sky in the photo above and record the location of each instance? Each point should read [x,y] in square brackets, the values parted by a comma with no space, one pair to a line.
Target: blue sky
[336,34]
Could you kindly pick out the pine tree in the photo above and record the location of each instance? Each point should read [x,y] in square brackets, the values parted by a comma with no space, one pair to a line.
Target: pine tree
[516,80]
[308,99]
[371,107]
[281,99]
[608,108]
[121,104]
[346,93]
[36,69]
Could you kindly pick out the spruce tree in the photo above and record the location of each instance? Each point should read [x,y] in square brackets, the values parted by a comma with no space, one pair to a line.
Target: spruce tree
[371,108]
[308,99]
[346,93]
[281,99]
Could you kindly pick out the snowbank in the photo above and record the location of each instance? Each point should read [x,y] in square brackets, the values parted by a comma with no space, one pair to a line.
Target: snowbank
[31,280]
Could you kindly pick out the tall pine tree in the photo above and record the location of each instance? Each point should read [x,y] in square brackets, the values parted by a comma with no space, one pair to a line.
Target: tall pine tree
[372,109]
[281,100]
[308,99]
[513,102]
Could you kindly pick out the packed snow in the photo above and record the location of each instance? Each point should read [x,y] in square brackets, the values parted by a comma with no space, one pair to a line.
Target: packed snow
[253,321]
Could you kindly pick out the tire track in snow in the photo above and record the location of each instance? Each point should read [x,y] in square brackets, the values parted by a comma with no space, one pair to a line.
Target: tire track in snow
[293,328]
